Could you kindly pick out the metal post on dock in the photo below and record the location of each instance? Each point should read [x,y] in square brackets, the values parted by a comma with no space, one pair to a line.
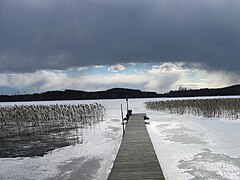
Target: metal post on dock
[122,119]
[127,104]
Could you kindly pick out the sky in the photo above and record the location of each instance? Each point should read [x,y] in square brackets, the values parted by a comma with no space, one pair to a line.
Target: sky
[152,45]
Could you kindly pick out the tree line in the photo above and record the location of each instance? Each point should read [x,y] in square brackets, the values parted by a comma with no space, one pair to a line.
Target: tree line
[119,93]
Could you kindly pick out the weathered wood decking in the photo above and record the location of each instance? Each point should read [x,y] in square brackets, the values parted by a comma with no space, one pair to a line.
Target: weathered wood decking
[136,158]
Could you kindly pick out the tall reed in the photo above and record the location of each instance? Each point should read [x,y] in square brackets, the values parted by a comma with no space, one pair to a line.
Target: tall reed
[228,108]
[31,118]
[34,130]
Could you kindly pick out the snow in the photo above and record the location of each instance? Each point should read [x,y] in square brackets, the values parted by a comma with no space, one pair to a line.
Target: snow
[187,147]
[190,147]
[93,159]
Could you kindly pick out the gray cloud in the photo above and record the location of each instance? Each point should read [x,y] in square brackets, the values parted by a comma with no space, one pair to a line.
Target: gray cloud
[58,34]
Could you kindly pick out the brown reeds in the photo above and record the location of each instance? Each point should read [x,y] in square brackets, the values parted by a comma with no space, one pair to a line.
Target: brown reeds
[228,108]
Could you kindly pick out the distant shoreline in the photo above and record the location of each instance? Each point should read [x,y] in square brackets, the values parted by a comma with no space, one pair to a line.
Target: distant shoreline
[119,93]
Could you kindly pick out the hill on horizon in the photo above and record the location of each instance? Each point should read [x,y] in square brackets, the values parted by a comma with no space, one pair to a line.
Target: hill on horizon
[119,93]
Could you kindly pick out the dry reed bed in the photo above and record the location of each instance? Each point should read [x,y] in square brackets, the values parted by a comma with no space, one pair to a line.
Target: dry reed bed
[46,117]
[33,130]
[228,108]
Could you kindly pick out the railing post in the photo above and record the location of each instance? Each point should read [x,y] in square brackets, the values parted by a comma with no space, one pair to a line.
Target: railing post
[122,119]
[127,104]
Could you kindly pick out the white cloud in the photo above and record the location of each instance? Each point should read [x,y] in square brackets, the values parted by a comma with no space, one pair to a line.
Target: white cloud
[82,68]
[167,67]
[98,66]
[161,78]
[116,68]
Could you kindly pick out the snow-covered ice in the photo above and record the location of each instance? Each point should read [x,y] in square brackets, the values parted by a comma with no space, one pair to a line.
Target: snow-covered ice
[93,159]
[190,147]
[187,147]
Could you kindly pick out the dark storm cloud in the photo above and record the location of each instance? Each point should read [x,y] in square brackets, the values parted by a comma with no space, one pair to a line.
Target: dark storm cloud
[57,34]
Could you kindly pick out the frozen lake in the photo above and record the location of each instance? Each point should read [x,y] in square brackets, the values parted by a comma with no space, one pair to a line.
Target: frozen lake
[187,147]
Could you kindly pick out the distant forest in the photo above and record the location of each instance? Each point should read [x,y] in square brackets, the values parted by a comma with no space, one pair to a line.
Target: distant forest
[119,93]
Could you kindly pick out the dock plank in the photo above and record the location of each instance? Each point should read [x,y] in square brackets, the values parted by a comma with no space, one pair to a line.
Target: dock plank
[136,158]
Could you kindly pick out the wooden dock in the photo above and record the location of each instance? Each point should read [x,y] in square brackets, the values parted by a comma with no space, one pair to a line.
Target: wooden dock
[136,158]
